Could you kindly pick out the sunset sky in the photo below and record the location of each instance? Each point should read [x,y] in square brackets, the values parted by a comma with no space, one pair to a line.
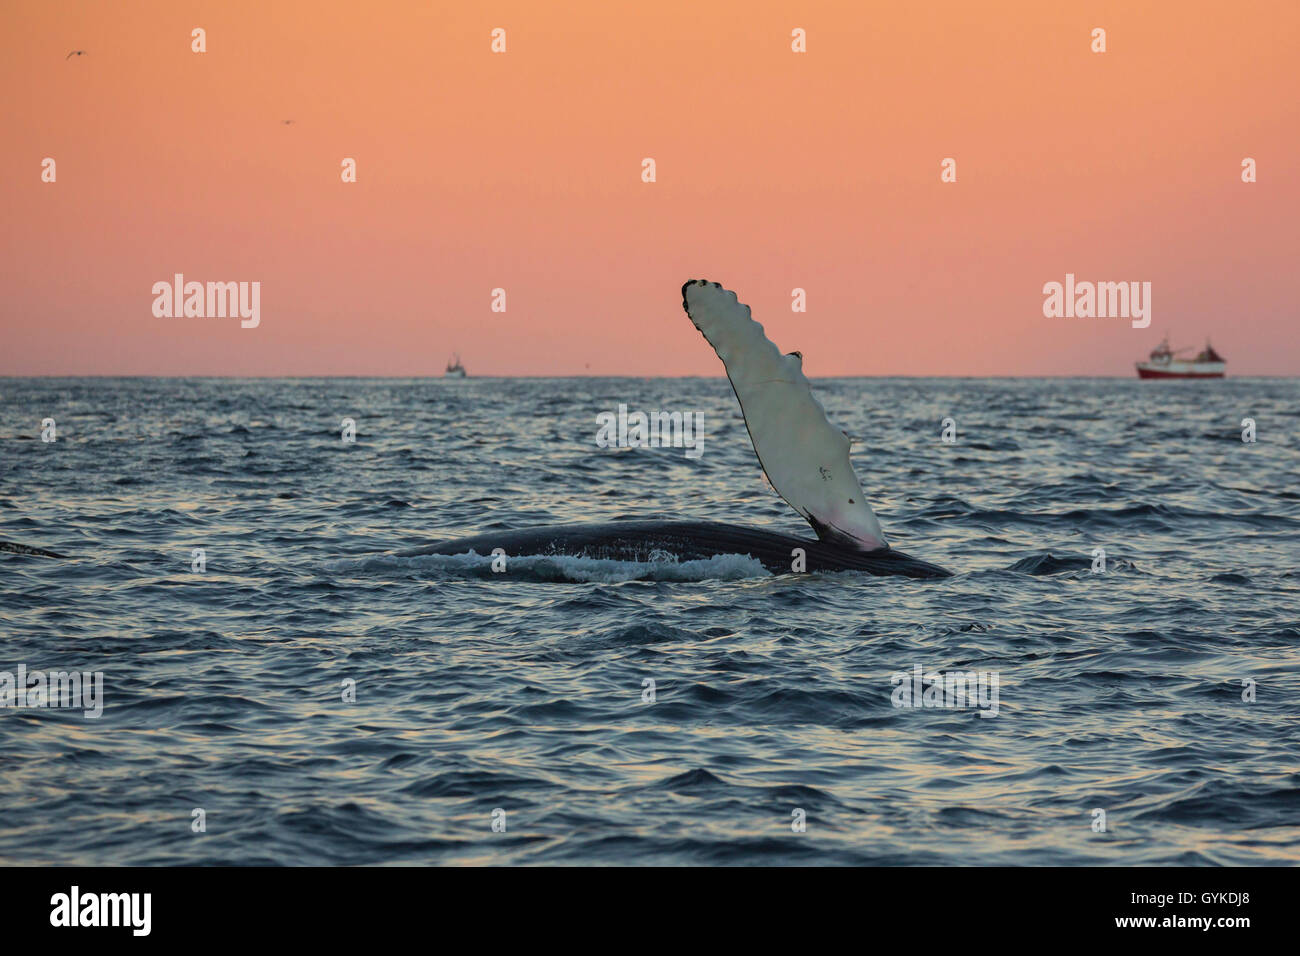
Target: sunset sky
[522,170]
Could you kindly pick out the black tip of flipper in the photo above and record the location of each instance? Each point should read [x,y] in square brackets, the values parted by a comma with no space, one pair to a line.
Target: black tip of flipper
[700,282]
[686,285]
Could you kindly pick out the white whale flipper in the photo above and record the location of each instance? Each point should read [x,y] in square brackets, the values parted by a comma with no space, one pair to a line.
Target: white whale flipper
[805,457]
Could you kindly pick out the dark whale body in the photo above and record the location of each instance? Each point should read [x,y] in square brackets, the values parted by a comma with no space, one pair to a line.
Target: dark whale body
[685,541]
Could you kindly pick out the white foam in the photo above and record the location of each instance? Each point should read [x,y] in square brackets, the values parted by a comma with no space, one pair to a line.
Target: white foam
[556,567]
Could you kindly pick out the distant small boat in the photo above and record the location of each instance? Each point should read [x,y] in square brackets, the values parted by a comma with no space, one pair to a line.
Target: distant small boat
[1163,364]
[454,368]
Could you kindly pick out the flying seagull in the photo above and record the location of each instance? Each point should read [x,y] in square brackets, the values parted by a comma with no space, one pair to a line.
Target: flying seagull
[287,122]
[74,53]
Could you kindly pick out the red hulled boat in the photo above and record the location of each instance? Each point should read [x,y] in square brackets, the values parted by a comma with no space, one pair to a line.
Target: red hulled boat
[1164,363]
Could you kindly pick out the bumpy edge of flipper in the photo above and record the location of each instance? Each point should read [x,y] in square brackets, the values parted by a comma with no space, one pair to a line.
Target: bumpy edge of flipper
[805,457]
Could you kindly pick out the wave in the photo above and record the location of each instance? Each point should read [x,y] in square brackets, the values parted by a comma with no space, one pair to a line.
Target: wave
[1143,516]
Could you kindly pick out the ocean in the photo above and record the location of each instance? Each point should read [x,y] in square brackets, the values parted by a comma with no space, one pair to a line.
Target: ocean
[277,688]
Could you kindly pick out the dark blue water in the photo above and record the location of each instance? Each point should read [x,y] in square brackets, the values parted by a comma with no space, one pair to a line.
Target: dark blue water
[1119,691]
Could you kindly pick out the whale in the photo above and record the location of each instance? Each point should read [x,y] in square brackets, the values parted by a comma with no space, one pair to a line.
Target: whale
[804,456]
[650,541]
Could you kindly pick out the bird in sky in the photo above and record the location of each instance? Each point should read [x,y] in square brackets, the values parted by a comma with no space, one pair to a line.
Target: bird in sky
[287,122]
[74,53]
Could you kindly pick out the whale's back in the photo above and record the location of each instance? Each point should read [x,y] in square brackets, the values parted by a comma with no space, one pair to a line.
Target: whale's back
[683,541]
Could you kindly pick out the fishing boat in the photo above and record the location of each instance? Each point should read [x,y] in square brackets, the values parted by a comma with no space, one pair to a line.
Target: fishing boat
[454,368]
[1165,363]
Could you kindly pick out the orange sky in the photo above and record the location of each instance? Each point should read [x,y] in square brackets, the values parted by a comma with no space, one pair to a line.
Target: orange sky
[522,170]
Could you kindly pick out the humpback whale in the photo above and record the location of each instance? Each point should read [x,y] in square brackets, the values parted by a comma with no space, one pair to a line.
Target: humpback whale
[804,456]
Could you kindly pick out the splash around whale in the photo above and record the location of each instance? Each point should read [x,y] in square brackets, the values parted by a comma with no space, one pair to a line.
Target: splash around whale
[804,456]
